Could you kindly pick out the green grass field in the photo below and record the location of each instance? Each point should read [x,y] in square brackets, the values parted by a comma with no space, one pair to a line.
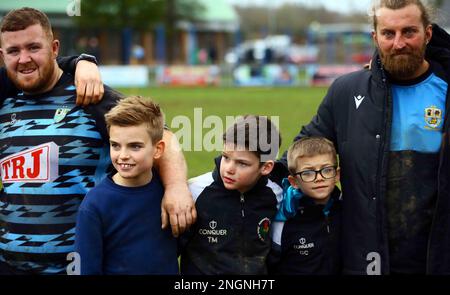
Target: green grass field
[294,107]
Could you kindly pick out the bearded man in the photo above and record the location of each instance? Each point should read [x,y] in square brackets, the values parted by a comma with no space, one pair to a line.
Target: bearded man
[390,126]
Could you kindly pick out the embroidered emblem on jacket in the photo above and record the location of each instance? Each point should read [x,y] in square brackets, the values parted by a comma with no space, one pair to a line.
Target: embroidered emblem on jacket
[212,233]
[433,118]
[263,228]
[303,246]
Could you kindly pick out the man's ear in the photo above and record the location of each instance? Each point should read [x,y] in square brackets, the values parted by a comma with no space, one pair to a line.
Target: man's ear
[293,181]
[1,49]
[374,37]
[267,167]
[159,149]
[428,33]
[55,48]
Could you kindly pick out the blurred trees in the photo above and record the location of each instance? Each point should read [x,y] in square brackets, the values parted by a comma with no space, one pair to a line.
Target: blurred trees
[288,19]
[177,10]
[138,15]
[438,3]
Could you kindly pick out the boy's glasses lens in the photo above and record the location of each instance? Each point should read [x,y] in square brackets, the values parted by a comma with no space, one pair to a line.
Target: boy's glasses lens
[328,172]
[311,175]
[308,176]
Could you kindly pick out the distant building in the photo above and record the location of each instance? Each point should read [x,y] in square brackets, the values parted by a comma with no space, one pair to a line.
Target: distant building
[212,34]
[342,42]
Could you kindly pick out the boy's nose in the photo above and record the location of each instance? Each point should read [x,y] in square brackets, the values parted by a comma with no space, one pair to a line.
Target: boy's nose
[319,177]
[230,169]
[124,154]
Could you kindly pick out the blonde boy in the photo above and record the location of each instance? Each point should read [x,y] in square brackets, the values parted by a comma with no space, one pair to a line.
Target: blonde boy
[119,221]
[306,233]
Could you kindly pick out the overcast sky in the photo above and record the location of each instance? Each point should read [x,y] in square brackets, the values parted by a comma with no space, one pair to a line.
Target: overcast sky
[341,5]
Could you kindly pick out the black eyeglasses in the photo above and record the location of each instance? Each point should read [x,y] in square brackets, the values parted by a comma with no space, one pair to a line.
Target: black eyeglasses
[311,175]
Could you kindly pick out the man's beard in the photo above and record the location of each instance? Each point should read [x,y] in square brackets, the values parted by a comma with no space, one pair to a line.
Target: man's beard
[37,85]
[403,64]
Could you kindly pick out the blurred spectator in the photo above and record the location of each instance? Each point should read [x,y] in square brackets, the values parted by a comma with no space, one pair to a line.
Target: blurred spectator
[249,56]
[268,55]
[137,54]
[81,45]
[93,47]
[203,56]
[212,54]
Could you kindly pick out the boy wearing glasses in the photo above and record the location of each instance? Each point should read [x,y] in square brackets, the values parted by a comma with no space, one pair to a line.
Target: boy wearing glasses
[305,233]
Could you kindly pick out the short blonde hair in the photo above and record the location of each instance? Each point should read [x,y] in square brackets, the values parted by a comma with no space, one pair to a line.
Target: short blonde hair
[309,147]
[136,110]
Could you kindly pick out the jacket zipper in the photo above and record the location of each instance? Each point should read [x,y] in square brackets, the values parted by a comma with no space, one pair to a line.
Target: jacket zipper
[381,156]
[243,247]
[242,205]
[327,223]
[329,240]
[433,220]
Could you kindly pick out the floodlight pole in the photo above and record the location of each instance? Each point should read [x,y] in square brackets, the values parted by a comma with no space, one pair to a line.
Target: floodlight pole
[271,18]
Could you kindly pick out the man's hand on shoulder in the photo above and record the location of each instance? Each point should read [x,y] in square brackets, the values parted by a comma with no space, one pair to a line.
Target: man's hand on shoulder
[177,205]
[88,83]
[178,209]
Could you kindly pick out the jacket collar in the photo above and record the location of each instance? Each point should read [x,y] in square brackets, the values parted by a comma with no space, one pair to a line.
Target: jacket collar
[334,197]
[440,39]
[439,49]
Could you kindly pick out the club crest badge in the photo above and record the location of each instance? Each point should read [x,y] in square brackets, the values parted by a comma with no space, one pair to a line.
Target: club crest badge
[60,114]
[263,229]
[433,118]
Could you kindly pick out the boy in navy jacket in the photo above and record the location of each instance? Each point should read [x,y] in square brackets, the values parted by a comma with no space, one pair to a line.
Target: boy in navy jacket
[235,203]
[305,234]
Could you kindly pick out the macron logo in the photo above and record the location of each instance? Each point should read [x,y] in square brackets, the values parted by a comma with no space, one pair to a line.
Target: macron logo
[358,100]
